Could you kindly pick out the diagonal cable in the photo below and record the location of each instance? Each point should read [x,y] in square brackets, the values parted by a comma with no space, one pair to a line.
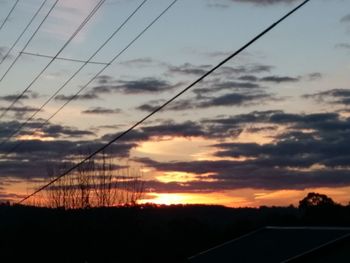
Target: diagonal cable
[9,14]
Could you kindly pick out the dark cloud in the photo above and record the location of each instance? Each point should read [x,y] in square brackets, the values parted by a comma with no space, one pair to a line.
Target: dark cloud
[145,85]
[311,152]
[225,71]
[202,100]
[138,62]
[216,86]
[235,99]
[314,76]
[2,52]
[20,112]
[345,19]
[148,107]
[28,95]
[40,155]
[250,78]
[343,46]
[87,96]
[101,110]
[266,2]
[189,69]
[167,129]
[229,175]
[334,96]
[279,79]
[48,130]
[225,3]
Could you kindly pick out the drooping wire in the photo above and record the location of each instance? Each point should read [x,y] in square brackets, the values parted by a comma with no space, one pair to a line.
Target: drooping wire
[22,125]
[81,26]
[9,14]
[22,33]
[121,135]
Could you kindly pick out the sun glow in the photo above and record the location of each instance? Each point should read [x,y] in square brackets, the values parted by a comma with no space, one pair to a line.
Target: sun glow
[36,136]
[190,198]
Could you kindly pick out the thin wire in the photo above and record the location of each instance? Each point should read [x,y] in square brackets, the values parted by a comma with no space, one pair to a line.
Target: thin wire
[9,14]
[65,59]
[166,103]
[30,39]
[24,30]
[69,80]
[99,4]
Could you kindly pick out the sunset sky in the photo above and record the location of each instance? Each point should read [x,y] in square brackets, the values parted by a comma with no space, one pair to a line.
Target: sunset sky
[270,126]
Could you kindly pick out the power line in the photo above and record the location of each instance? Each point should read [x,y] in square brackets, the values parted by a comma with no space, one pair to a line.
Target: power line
[9,14]
[24,30]
[167,102]
[99,4]
[29,40]
[65,59]
[70,79]
[90,81]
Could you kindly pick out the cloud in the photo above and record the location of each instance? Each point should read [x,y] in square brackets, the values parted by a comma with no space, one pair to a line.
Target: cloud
[138,62]
[314,76]
[49,130]
[334,96]
[343,46]
[345,19]
[230,175]
[28,95]
[278,79]
[101,110]
[2,52]
[225,71]
[312,151]
[20,111]
[86,96]
[250,78]
[225,3]
[140,86]
[216,86]
[227,100]
[266,2]
[235,99]
[40,155]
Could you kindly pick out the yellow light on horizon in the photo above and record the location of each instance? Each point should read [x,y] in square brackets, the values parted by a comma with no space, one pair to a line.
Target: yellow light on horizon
[193,198]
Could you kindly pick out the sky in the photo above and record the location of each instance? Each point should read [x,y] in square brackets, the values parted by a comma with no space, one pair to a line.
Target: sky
[265,129]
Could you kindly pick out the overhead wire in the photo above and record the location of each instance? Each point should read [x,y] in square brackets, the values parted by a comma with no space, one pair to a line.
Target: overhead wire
[22,125]
[64,59]
[29,40]
[8,15]
[81,26]
[121,135]
[22,33]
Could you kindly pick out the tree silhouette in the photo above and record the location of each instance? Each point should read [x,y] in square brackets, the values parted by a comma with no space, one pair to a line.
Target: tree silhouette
[316,200]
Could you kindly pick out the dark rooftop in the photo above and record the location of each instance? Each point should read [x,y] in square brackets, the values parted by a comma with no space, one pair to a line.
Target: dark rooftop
[273,244]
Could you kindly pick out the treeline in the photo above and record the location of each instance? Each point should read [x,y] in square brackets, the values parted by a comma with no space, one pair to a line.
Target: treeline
[147,233]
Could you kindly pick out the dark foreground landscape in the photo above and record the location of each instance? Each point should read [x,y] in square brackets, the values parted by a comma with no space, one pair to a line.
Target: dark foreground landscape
[144,233]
